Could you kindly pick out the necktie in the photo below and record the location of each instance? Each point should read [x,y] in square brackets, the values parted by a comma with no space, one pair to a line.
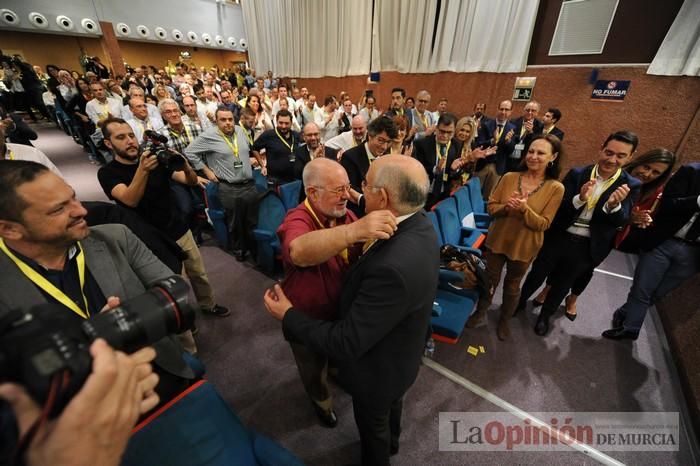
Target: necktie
[441,164]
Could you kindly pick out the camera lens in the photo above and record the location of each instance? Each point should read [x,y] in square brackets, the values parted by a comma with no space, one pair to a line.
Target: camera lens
[161,311]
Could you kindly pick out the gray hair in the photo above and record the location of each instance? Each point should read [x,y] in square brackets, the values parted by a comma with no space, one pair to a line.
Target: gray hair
[407,194]
[165,102]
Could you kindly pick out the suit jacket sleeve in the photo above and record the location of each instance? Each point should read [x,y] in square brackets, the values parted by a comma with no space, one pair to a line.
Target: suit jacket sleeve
[676,200]
[143,262]
[419,153]
[22,131]
[353,173]
[372,315]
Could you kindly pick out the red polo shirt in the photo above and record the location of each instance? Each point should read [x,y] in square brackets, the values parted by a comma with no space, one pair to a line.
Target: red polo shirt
[313,290]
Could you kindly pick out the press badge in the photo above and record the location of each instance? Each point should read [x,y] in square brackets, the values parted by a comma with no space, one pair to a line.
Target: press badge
[517,150]
[237,164]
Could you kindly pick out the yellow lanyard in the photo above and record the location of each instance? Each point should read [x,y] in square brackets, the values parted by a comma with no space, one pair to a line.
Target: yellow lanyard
[10,155]
[234,146]
[290,147]
[344,253]
[424,119]
[49,287]
[593,200]
[105,109]
[499,133]
[547,131]
[440,157]
[179,136]
[247,136]
[522,130]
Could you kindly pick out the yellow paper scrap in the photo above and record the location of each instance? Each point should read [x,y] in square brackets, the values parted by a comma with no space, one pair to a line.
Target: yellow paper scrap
[482,349]
[472,350]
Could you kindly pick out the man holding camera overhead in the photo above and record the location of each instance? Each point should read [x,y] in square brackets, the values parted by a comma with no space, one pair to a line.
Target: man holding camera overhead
[140,180]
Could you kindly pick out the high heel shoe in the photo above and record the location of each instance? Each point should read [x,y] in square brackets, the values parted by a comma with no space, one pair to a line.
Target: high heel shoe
[570,306]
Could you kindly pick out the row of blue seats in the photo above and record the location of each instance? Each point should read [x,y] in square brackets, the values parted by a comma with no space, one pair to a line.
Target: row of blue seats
[459,220]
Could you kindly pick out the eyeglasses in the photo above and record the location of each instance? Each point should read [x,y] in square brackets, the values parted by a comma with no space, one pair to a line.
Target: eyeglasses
[444,132]
[423,101]
[382,141]
[339,191]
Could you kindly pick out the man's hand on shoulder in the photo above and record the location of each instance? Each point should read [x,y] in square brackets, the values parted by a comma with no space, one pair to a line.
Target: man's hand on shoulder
[380,224]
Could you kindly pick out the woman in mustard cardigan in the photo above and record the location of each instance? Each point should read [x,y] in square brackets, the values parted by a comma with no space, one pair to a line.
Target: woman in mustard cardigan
[522,207]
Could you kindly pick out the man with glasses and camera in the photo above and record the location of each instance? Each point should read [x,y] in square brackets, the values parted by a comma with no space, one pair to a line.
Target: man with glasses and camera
[356,161]
[440,156]
[320,240]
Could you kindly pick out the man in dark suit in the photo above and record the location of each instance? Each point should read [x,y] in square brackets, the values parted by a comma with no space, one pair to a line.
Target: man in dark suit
[385,308]
[597,201]
[549,120]
[43,228]
[500,133]
[312,149]
[672,252]
[526,128]
[440,156]
[356,161]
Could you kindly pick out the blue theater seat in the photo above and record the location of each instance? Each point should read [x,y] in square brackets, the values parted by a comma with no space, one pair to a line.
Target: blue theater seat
[271,213]
[198,428]
[452,230]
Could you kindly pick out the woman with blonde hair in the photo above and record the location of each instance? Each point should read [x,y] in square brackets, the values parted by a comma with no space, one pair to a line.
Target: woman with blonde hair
[161,92]
[465,133]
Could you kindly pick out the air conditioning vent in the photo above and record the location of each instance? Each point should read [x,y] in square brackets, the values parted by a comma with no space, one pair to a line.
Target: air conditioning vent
[582,27]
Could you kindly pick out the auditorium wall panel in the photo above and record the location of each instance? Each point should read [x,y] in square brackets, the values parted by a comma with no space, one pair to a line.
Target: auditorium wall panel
[140,53]
[659,108]
[42,49]
[64,51]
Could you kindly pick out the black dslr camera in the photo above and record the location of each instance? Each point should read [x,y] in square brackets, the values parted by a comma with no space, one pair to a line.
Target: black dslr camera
[47,350]
[157,145]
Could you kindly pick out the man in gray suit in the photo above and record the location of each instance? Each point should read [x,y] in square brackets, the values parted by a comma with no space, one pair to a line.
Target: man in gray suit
[48,254]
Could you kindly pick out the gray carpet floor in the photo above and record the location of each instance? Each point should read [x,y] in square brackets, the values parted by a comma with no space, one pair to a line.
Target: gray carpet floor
[572,369]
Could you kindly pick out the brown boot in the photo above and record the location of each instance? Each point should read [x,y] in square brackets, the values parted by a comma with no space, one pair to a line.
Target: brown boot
[478,319]
[503,330]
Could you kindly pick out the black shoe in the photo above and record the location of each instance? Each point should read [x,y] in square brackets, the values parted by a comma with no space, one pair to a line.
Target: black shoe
[327,418]
[617,320]
[218,311]
[536,303]
[619,333]
[239,254]
[571,317]
[542,327]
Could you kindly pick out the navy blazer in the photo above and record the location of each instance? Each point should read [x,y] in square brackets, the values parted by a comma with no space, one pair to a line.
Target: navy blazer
[527,138]
[603,226]
[557,132]
[385,309]
[504,148]
[678,204]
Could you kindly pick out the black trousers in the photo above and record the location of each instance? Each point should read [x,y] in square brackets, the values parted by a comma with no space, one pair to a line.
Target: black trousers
[379,427]
[563,258]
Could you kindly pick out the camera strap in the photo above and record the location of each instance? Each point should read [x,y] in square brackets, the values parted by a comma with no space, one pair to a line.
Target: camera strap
[49,287]
[234,146]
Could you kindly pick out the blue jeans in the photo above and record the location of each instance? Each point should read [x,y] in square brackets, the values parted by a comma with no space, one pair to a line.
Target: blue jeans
[658,272]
